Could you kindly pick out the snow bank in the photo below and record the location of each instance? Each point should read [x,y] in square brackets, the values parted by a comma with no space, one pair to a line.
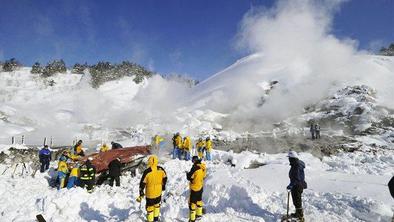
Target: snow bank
[230,194]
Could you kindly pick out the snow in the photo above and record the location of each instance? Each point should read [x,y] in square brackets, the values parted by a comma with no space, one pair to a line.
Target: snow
[230,193]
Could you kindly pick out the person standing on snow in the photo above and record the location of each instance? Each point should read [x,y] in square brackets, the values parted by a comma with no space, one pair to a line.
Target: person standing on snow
[297,183]
[78,149]
[177,152]
[312,130]
[317,131]
[208,148]
[196,177]
[157,142]
[153,181]
[200,146]
[187,147]
[45,158]
[87,175]
[115,168]
[116,145]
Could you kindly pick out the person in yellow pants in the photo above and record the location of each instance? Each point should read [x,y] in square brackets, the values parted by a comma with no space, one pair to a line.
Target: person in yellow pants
[196,176]
[153,181]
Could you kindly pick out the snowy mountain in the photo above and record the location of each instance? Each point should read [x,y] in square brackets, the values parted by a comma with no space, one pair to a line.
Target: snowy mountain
[346,174]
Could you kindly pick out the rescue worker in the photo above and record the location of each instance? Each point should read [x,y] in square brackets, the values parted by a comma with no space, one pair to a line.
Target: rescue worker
[391,186]
[187,147]
[78,149]
[297,183]
[177,146]
[317,131]
[208,148]
[174,151]
[62,171]
[45,158]
[312,130]
[200,146]
[116,145]
[196,176]
[104,148]
[153,181]
[73,178]
[157,142]
[115,168]
[87,175]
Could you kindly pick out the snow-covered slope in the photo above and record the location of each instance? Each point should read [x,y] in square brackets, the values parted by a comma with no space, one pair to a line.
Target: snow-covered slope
[230,193]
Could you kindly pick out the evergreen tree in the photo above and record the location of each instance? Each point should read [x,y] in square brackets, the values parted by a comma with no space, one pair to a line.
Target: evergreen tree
[36,68]
[56,66]
[79,69]
[104,71]
[387,51]
[11,65]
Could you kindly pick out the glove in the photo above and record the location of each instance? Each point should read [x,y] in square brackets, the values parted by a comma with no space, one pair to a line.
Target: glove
[289,187]
[139,199]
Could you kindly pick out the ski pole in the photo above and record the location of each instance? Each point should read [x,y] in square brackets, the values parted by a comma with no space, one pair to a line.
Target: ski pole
[288,203]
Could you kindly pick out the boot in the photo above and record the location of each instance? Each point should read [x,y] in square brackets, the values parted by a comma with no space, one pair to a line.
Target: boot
[299,214]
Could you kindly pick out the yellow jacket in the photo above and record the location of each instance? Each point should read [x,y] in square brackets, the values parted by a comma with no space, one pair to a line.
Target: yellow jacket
[208,145]
[200,144]
[104,148]
[78,149]
[187,144]
[74,172]
[178,141]
[62,167]
[196,176]
[74,156]
[157,139]
[153,179]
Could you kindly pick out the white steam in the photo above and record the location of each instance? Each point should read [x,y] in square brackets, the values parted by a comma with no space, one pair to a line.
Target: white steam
[290,43]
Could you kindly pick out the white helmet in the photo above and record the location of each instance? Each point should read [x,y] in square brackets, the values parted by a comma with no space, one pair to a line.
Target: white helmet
[292,154]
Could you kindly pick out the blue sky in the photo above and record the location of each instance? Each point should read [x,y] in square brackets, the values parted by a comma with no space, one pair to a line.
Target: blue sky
[194,37]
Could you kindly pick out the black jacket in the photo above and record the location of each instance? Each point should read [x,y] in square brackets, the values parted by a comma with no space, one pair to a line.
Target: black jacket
[296,173]
[116,146]
[114,167]
[391,186]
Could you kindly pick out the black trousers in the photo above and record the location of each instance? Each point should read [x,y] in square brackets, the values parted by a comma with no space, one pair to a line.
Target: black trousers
[117,180]
[87,183]
[296,194]
[44,165]
[152,202]
[195,196]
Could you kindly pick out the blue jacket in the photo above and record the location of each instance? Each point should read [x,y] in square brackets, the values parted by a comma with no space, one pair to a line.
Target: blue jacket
[296,174]
[44,155]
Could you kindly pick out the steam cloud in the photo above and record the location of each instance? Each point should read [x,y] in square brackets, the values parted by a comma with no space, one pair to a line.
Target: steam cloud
[290,43]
